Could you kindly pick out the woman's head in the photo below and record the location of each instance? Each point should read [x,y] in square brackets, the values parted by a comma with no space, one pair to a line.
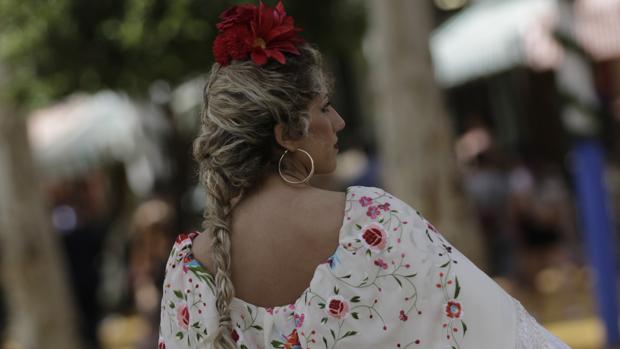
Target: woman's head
[254,113]
[254,110]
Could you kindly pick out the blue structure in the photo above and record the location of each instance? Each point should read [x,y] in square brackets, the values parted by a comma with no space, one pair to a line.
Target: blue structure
[588,163]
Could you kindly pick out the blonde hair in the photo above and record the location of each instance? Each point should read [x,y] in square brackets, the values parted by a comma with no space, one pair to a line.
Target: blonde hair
[236,146]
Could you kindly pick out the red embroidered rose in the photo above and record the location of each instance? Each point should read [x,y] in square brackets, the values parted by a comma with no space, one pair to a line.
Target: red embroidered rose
[374,236]
[234,335]
[161,344]
[183,316]
[337,307]
[261,33]
[454,310]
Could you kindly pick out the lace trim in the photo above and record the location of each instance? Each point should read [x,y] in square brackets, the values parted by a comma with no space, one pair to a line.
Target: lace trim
[531,335]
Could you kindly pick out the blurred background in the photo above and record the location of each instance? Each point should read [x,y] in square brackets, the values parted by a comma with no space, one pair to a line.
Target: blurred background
[498,119]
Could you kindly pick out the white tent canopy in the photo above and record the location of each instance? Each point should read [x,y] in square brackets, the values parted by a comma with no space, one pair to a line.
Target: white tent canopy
[485,38]
[86,131]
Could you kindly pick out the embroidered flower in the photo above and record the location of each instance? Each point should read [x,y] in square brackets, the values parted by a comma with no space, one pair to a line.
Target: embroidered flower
[161,344]
[381,263]
[299,320]
[292,341]
[403,316]
[337,307]
[183,316]
[234,335]
[453,309]
[374,237]
[373,212]
[365,201]
[385,206]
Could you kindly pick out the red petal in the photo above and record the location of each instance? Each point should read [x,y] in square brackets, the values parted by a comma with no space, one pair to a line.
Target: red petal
[259,57]
[280,9]
[277,55]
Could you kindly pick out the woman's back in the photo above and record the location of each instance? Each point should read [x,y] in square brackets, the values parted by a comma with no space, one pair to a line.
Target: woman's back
[277,243]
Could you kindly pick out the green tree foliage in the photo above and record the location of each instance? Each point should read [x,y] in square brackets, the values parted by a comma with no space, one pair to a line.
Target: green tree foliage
[54,47]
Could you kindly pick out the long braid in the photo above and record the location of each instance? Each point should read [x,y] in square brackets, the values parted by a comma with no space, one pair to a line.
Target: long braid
[218,212]
[236,147]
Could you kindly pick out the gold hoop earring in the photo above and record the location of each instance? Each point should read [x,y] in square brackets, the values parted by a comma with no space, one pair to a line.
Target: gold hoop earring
[303,180]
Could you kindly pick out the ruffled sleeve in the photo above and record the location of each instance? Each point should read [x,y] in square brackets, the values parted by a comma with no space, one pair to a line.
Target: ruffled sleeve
[188,317]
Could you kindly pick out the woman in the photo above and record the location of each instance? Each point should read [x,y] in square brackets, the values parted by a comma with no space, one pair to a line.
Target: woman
[284,265]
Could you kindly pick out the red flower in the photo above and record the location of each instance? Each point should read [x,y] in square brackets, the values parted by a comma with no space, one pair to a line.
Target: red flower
[380,263]
[337,307]
[237,15]
[385,206]
[375,237]
[183,316]
[403,316]
[261,33]
[234,335]
[161,344]
[454,310]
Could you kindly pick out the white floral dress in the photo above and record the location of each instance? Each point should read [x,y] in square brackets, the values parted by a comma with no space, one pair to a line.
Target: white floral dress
[392,282]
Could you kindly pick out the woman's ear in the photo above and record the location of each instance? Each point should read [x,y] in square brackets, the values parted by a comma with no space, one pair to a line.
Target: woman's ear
[283,138]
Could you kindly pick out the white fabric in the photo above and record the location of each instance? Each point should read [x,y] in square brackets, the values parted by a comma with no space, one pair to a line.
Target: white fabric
[393,282]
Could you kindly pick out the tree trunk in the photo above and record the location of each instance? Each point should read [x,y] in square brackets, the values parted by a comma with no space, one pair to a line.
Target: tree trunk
[36,288]
[415,134]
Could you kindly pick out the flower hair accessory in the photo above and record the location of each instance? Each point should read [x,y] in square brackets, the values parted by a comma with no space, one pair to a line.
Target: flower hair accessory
[258,32]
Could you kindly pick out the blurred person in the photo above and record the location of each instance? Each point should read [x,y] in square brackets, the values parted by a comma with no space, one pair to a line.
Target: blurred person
[283,264]
[150,243]
[78,215]
[487,186]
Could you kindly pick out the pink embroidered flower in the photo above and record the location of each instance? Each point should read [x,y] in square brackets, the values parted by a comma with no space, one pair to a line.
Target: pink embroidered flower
[403,316]
[381,263]
[431,227]
[270,311]
[365,201]
[374,237]
[385,206]
[299,320]
[183,316]
[373,212]
[234,335]
[337,307]
[454,310]
[161,344]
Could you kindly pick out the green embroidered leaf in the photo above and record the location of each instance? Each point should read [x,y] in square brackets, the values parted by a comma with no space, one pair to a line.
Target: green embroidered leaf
[325,342]
[243,346]
[390,248]
[333,334]
[249,309]
[397,280]
[204,331]
[355,299]
[346,276]
[257,327]
[411,275]
[358,226]
[196,324]
[198,336]
[171,305]
[336,290]
[464,327]
[349,333]
[321,305]
[178,293]
[445,264]
[355,316]
[180,335]
[276,344]
[381,220]
[368,253]
[324,320]
[428,236]
[457,288]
